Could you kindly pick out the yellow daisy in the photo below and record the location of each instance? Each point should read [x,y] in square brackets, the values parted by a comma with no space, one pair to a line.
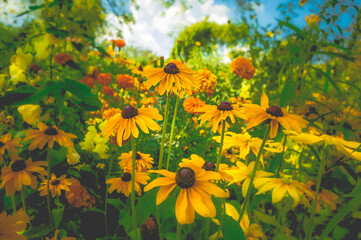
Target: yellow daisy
[6,143]
[216,114]
[48,135]
[127,122]
[274,114]
[55,185]
[195,190]
[11,225]
[124,183]
[143,161]
[20,173]
[174,77]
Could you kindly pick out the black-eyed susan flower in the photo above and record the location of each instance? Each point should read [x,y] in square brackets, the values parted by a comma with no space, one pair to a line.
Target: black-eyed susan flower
[231,153]
[20,173]
[124,183]
[174,77]
[257,114]
[195,192]
[127,122]
[243,68]
[216,114]
[280,187]
[143,161]
[11,225]
[243,174]
[48,135]
[9,144]
[324,198]
[55,185]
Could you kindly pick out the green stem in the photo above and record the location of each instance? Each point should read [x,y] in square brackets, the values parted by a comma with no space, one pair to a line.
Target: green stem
[221,145]
[222,219]
[206,231]
[13,203]
[106,198]
[48,158]
[282,156]
[250,186]
[314,204]
[23,199]
[160,233]
[134,217]
[164,130]
[172,133]
[179,231]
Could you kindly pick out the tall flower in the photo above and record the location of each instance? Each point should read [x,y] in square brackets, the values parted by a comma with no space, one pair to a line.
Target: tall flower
[174,77]
[11,225]
[6,143]
[243,68]
[143,161]
[127,122]
[20,173]
[276,115]
[124,183]
[48,135]
[195,190]
[55,185]
[216,114]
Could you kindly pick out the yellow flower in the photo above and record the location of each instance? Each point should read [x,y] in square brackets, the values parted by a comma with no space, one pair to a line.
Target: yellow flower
[302,2]
[276,115]
[17,74]
[216,114]
[11,145]
[174,77]
[19,173]
[280,187]
[143,161]
[125,123]
[243,68]
[11,225]
[48,135]
[270,34]
[244,172]
[124,183]
[231,153]
[198,44]
[55,185]
[21,59]
[30,113]
[312,19]
[195,192]
[346,147]
[72,156]
[206,82]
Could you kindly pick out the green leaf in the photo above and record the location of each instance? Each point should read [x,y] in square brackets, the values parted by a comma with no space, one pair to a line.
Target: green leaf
[323,43]
[58,156]
[356,191]
[39,95]
[335,54]
[284,237]
[145,206]
[38,231]
[320,71]
[350,206]
[102,51]
[232,230]
[57,216]
[266,218]
[288,92]
[19,95]
[31,8]
[57,32]
[293,27]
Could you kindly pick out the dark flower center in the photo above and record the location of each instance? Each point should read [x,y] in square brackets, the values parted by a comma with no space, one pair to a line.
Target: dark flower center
[230,151]
[274,111]
[126,177]
[129,112]
[55,182]
[140,68]
[137,156]
[209,166]
[51,131]
[18,166]
[2,144]
[225,106]
[185,177]
[171,68]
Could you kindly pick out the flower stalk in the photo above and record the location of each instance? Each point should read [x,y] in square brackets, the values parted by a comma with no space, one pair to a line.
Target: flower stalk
[172,133]
[48,159]
[221,144]
[179,231]
[164,130]
[106,198]
[134,217]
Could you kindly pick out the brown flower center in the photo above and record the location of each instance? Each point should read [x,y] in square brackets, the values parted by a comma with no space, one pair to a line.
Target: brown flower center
[171,68]
[55,182]
[129,112]
[225,106]
[185,177]
[18,166]
[140,68]
[2,144]
[138,156]
[126,177]
[209,166]
[230,151]
[274,111]
[51,131]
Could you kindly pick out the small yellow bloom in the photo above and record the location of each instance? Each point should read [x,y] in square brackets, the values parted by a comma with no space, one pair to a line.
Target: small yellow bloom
[73,156]
[30,113]
[198,44]
[270,34]
[312,20]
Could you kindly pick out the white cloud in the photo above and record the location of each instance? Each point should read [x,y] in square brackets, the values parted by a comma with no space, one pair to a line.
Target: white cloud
[154,23]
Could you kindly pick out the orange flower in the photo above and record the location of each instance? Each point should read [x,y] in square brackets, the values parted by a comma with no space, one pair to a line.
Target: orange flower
[6,143]
[108,91]
[125,81]
[62,58]
[88,81]
[192,103]
[55,185]
[11,225]
[104,78]
[107,114]
[78,196]
[207,81]
[243,68]
[119,43]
